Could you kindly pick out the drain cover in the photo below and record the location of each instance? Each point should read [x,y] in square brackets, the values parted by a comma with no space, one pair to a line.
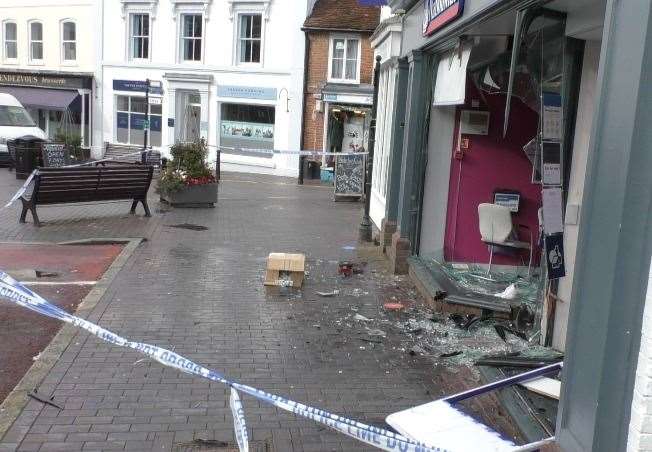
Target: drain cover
[192,227]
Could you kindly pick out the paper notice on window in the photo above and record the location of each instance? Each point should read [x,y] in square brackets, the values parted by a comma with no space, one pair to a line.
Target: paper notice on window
[553,222]
[552,120]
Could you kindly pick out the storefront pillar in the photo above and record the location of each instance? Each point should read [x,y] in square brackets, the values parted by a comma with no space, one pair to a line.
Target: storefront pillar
[615,239]
[400,248]
[172,113]
[389,225]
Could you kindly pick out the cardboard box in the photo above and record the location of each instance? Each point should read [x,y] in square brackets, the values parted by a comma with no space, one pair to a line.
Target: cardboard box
[285,270]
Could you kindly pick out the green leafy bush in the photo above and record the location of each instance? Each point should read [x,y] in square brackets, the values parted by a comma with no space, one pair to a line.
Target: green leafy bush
[188,167]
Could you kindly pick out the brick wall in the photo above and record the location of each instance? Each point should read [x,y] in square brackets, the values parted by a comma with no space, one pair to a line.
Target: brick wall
[640,425]
[317,77]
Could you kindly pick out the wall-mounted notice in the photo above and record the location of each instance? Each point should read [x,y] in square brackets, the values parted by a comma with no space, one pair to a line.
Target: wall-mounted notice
[553,222]
[552,118]
[551,163]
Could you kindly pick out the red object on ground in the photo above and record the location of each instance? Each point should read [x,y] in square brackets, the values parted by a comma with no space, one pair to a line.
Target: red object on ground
[24,334]
[393,306]
[345,269]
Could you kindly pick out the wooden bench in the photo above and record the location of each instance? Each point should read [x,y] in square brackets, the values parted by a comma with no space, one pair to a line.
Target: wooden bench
[128,152]
[88,184]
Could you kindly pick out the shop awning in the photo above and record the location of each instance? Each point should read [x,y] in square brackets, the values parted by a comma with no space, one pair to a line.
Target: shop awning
[47,99]
[361,94]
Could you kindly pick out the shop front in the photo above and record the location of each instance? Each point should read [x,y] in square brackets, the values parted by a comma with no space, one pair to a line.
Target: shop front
[347,113]
[59,103]
[498,110]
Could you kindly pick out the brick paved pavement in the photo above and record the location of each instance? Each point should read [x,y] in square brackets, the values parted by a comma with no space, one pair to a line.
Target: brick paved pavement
[200,293]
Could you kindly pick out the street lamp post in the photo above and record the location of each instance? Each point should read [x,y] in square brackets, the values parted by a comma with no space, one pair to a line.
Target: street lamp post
[365,225]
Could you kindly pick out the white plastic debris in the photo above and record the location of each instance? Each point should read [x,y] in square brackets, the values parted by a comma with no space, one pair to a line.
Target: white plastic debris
[361,318]
[510,292]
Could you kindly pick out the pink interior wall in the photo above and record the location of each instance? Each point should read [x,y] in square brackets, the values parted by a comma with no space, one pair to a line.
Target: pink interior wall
[491,162]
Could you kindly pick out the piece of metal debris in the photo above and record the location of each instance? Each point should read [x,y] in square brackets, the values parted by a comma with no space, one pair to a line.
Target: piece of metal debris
[376,332]
[328,294]
[361,318]
[189,226]
[48,401]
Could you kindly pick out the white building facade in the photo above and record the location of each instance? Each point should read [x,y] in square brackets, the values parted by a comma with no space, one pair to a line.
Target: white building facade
[49,60]
[230,72]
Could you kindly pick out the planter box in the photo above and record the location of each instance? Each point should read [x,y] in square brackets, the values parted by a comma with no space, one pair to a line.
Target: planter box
[192,196]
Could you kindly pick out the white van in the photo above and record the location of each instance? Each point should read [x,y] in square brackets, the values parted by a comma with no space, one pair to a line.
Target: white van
[15,122]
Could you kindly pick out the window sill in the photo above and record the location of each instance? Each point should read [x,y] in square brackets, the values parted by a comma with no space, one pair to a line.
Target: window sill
[344,81]
[36,63]
[70,63]
[11,61]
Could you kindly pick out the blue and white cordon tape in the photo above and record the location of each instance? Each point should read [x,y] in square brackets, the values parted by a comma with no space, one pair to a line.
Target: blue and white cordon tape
[15,292]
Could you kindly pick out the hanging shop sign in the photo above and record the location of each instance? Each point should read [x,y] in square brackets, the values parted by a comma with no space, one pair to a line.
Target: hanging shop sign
[246,92]
[438,13]
[139,86]
[45,80]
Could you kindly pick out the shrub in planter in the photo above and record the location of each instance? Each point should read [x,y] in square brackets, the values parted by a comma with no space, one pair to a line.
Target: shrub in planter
[187,179]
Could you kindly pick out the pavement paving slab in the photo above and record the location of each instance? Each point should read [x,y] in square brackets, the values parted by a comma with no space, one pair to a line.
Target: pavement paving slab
[199,291]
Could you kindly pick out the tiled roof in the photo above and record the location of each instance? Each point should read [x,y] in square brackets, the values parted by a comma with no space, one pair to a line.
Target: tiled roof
[343,15]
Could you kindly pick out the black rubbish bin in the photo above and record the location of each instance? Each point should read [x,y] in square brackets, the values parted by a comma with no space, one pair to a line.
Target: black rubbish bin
[312,169]
[25,152]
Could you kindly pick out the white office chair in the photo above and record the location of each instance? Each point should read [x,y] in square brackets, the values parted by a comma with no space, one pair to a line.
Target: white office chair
[497,229]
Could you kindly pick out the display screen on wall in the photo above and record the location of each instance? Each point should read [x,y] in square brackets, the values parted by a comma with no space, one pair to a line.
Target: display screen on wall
[247,127]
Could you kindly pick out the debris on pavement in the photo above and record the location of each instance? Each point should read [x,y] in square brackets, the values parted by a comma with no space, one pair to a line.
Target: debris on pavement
[328,294]
[285,270]
[376,332]
[188,226]
[390,306]
[361,318]
[46,400]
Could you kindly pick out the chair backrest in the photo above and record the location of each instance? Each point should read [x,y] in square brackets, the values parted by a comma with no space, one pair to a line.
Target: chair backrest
[495,222]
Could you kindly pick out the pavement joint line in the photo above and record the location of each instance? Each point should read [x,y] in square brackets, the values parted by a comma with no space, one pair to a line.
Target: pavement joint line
[15,402]
[58,283]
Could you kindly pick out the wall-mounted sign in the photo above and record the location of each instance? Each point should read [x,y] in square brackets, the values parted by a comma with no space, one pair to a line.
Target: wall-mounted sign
[555,261]
[44,80]
[511,200]
[246,92]
[438,13]
[170,122]
[139,86]
[348,99]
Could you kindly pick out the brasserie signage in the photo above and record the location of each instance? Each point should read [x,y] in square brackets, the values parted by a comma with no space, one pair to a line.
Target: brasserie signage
[437,13]
[43,80]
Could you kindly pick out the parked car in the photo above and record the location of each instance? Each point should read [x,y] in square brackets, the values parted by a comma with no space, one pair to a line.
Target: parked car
[15,122]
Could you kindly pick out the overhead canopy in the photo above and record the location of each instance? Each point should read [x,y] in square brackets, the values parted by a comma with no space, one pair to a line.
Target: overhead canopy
[45,98]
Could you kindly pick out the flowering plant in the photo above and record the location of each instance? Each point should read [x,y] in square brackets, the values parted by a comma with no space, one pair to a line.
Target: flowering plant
[187,168]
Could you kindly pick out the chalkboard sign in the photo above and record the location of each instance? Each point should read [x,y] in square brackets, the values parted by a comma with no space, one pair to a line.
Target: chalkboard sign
[349,175]
[54,154]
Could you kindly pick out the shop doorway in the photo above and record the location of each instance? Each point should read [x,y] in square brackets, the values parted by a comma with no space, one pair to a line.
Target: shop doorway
[347,131]
[189,110]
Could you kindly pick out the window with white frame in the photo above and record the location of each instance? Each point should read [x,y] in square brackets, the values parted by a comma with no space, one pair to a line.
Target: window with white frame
[10,38]
[139,36]
[191,37]
[250,37]
[344,64]
[68,41]
[131,121]
[35,41]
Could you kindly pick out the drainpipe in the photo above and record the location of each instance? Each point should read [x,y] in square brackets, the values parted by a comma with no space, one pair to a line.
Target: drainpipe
[303,113]
[365,225]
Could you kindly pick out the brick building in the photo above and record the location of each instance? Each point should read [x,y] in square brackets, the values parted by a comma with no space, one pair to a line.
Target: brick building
[339,68]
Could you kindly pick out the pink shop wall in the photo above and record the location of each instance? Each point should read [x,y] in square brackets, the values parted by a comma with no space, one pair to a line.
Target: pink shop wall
[491,162]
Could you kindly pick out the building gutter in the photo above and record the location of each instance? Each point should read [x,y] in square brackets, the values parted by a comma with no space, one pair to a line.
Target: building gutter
[340,30]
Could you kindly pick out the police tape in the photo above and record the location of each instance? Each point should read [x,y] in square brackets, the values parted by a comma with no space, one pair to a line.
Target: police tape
[228,149]
[21,191]
[15,292]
